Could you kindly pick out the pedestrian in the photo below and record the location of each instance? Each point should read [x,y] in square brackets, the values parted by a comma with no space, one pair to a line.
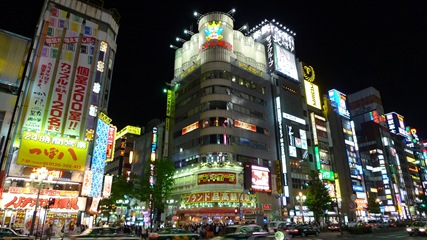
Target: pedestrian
[62,231]
[141,231]
[48,232]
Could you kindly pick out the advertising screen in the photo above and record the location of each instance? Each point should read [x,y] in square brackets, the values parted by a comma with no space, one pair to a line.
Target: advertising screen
[257,178]
[338,101]
[285,62]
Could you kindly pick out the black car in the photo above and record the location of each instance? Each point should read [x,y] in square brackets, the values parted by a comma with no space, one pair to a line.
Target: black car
[334,227]
[417,228]
[302,230]
[9,233]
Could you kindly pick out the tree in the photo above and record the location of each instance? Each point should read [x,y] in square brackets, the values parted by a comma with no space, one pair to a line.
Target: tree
[122,188]
[155,190]
[373,205]
[318,199]
[106,207]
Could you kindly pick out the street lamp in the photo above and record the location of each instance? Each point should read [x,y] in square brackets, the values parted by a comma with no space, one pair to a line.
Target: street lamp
[301,199]
[241,203]
[40,175]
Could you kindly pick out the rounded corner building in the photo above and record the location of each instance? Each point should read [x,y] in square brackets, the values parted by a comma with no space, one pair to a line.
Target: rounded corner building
[223,126]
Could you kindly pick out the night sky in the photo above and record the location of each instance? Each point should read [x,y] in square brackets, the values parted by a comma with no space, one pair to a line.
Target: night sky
[351,46]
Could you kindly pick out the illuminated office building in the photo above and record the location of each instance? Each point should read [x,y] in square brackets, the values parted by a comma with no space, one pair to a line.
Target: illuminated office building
[385,165]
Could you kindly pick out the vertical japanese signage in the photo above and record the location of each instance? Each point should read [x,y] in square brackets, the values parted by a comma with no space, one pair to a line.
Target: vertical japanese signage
[273,37]
[110,143]
[94,205]
[77,105]
[99,154]
[283,161]
[87,183]
[57,98]
[62,74]
[312,95]
[108,181]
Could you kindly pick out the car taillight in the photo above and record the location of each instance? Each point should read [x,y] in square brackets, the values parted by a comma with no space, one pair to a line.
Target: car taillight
[153,235]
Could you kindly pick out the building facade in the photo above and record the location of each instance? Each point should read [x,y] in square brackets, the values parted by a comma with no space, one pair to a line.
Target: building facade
[57,148]
[236,102]
[222,119]
[391,177]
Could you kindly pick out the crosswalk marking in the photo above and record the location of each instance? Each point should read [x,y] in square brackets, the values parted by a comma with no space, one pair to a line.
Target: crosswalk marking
[394,235]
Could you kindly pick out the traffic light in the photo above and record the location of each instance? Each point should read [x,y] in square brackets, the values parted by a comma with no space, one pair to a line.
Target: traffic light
[305,184]
[51,202]
[236,210]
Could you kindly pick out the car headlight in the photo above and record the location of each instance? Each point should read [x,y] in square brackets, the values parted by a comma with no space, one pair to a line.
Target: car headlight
[409,229]
[421,229]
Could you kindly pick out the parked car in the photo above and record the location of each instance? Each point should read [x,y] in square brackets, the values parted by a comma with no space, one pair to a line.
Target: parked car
[173,233]
[302,230]
[417,228]
[334,227]
[104,233]
[241,229]
[9,233]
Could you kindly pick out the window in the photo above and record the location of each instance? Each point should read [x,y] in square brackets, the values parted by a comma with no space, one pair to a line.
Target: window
[2,116]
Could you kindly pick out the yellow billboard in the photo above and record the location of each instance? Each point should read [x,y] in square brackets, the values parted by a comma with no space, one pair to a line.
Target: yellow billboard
[43,150]
[312,95]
